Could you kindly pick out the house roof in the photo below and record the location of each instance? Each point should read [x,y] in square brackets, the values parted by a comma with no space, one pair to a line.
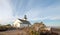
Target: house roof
[24,21]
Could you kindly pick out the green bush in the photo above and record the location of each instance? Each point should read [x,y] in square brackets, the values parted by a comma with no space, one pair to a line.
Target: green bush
[5,27]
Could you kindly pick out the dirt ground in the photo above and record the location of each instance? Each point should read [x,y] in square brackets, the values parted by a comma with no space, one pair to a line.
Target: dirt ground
[20,32]
[56,30]
[13,32]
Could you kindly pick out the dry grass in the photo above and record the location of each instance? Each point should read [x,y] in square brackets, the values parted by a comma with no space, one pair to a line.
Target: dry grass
[28,30]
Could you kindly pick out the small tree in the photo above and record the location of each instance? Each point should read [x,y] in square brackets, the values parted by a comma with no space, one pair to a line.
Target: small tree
[8,25]
[0,24]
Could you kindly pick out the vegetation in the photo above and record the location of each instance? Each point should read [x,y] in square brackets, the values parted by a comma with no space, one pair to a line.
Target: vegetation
[35,29]
[33,32]
[5,27]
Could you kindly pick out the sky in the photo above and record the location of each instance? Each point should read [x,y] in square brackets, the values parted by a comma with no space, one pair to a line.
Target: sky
[47,11]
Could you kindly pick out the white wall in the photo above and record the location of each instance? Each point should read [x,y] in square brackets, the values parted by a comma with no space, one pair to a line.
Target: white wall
[17,23]
[23,25]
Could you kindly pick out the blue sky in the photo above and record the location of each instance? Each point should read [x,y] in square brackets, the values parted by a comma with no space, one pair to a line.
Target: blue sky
[47,11]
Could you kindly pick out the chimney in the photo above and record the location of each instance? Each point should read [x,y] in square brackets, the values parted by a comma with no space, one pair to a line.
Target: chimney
[25,17]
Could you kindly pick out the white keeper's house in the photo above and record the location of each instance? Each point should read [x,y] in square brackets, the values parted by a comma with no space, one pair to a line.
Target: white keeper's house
[20,23]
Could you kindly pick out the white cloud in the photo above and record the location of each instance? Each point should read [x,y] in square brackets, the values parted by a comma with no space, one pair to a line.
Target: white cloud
[51,12]
[5,11]
[46,18]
